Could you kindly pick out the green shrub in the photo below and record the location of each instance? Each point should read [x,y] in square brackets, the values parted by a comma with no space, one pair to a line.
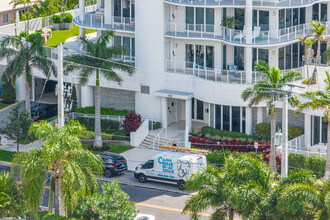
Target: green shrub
[306,81]
[67,17]
[8,93]
[105,123]
[312,163]
[263,131]
[295,131]
[156,125]
[22,34]
[104,111]
[229,134]
[56,19]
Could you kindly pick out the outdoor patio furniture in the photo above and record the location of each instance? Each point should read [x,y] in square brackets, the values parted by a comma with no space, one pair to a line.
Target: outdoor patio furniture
[241,35]
[256,32]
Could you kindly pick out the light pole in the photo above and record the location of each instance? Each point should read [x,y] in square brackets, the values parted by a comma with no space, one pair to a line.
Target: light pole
[60,99]
[284,161]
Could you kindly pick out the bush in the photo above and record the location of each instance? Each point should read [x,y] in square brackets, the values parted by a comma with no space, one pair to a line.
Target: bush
[263,131]
[104,111]
[306,81]
[132,122]
[312,163]
[295,131]
[34,38]
[228,134]
[8,93]
[56,19]
[22,34]
[67,17]
[105,123]
[154,125]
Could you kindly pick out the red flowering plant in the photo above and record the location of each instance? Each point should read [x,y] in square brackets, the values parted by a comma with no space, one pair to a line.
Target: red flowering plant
[132,122]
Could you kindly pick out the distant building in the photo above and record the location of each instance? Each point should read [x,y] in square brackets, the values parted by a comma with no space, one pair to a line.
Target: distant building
[7,12]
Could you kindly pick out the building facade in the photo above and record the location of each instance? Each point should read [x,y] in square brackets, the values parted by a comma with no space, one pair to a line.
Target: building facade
[192,63]
[7,12]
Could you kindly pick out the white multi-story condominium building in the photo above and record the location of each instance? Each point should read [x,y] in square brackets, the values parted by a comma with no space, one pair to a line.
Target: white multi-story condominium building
[191,68]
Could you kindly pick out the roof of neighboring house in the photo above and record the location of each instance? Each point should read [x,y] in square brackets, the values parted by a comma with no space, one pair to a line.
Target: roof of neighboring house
[5,6]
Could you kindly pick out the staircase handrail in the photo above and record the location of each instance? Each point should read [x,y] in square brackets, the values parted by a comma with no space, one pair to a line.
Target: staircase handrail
[297,143]
[157,138]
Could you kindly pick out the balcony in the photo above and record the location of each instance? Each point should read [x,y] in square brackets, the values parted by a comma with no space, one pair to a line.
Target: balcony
[238,37]
[237,3]
[215,75]
[95,19]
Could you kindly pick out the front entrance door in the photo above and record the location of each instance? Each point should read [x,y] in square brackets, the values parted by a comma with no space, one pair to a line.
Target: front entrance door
[171,110]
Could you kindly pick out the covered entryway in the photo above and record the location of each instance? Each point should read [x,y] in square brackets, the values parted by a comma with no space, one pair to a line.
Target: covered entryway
[44,95]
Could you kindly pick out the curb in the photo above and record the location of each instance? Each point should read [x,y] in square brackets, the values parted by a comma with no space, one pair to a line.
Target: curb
[5,163]
[12,105]
[146,187]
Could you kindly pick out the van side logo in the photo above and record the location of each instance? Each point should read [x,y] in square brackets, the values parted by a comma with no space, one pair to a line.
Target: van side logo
[183,167]
[167,164]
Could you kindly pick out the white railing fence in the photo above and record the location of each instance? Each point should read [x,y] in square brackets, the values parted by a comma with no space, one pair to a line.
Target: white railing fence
[307,152]
[120,119]
[297,143]
[157,140]
[140,134]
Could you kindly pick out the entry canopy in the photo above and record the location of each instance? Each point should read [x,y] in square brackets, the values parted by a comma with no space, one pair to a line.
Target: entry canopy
[174,94]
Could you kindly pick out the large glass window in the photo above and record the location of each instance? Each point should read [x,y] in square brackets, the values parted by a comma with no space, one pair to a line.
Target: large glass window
[236,118]
[243,119]
[127,45]
[264,20]
[288,57]
[302,15]
[190,18]
[218,116]
[226,117]
[259,54]
[5,18]
[324,131]
[239,15]
[316,12]
[199,19]
[123,8]
[295,56]
[209,20]
[316,139]
[132,8]
[200,55]
[281,19]
[324,8]
[281,58]
[224,57]
[290,17]
[189,55]
[133,47]
[200,110]
[288,20]
[239,57]
[295,16]
[126,8]
[117,41]
[209,57]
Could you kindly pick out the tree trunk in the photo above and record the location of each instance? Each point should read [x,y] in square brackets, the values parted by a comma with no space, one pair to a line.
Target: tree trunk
[27,98]
[272,156]
[17,145]
[59,204]
[97,91]
[327,163]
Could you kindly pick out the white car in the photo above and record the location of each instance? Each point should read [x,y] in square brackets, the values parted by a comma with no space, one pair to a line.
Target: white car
[145,217]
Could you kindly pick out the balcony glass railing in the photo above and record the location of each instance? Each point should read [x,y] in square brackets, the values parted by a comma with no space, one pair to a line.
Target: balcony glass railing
[226,3]
[95,18]
[215,75]
[237,36]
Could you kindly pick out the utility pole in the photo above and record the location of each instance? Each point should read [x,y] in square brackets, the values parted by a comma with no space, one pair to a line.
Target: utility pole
[60,92]
[284,162]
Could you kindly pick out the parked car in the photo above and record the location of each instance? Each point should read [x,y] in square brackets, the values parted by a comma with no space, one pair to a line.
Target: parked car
[114,164]
[170,167]
[145,217]
[43,111]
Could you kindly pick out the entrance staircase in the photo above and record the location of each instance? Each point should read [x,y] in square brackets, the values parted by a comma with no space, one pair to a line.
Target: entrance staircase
[150,139]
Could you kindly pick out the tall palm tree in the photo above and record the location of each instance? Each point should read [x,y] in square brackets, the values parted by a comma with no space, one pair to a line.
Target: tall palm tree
[261,91]
[22,56]
[238,188]
[319,100]
[27,6]
[308,43]
[100,60]
[71,167]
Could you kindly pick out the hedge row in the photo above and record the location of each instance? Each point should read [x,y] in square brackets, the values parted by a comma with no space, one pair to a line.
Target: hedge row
[105,123]
[208,131]
[104,111]
[312,163]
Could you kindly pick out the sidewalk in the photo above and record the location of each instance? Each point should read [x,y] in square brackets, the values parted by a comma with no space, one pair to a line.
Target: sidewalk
[9,145]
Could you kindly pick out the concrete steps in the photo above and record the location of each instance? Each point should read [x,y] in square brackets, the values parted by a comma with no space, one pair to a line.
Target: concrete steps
[148,141]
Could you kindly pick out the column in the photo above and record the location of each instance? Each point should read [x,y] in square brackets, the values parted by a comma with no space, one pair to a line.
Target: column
[260,115]
[248,120]
[20,88]
[188,114]
[81,10]
[164,112]
[307,130]
[87,96]
[248,50]
[33,89]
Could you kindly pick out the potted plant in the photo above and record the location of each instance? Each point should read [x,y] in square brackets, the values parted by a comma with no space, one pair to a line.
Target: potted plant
[62,22]
[231,23]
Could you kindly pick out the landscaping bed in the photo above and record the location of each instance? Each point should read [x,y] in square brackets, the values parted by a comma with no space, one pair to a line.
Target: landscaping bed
[6,155]
[114,148]
[104,111]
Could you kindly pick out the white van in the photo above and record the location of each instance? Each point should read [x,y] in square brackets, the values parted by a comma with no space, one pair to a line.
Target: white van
[170,167]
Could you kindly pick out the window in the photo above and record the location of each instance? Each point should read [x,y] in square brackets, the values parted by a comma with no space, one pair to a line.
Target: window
[243,119]
[324,8]
[290,57]
[236,118]
[302,15]
[149,164]
[260,54]
[127,43]
[239,57]
[316,133]
[239,15]
[224,57]
[226,117]
[192,108]
[218,116]
[200,19]
[290,17]
[281,58]
[261,19]
[117,8]
[123,8]
[145,89]
[209,57]
[200,55]
[5,18]
[190,55]
[315,12]
[295,56]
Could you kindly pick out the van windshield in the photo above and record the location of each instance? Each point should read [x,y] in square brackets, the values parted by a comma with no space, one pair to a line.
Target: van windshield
[149,164]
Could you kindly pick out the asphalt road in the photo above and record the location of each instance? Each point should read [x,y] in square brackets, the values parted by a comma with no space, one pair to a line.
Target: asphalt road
[163,205]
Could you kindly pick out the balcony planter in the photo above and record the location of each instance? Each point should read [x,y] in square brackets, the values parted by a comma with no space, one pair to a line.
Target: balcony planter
[62,22]
[63,26]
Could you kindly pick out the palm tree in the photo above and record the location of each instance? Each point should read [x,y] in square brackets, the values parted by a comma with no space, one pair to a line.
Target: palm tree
[308,43]
[98,58]
[71,167]
[319,100]
[27,5]
[22,55]
[238,188]
[272,79]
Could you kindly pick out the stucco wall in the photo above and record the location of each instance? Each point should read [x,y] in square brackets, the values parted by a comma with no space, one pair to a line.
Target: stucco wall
[117,99]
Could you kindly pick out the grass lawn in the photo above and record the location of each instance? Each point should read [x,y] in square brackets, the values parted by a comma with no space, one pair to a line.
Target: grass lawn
[51,118]
[114,148]
[4,105]
[6,155]
[62,35]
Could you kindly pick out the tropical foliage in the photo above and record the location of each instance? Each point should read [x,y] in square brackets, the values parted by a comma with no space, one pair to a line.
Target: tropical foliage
[132,122]
[263,91]
[23,55]
[98,61]
[71,165]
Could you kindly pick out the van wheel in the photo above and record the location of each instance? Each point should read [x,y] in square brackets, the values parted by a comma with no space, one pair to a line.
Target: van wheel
[182,185]
[108,173]
[142,178]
